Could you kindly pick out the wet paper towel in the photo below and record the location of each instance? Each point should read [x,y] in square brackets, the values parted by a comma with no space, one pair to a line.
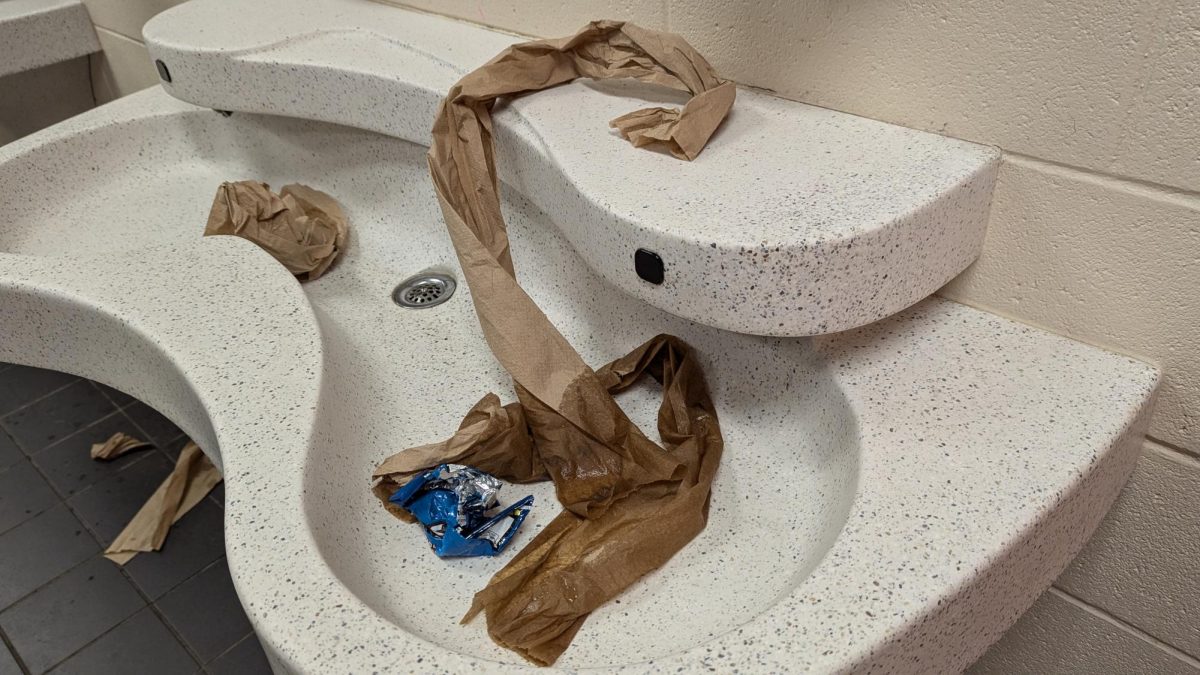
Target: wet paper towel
[194,477]
[629,504]
[301,227]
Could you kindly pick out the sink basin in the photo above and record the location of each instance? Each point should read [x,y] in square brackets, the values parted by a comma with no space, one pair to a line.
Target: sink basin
[890,498]
[393,378]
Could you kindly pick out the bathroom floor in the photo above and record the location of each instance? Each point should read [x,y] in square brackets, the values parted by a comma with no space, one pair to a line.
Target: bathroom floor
[64,608]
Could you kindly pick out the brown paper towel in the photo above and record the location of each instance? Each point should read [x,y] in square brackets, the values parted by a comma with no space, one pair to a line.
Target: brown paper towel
[301,227]
[630,504]
[117,445]
[194,477]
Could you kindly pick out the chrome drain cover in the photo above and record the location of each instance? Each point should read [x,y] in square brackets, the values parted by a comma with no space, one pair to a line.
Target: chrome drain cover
[428,289]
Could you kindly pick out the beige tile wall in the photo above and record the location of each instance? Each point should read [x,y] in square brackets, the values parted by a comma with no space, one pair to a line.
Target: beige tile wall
[123,66]
[1138,567]
[1108,261]
[1095,230]
[37,98]
[1063,636]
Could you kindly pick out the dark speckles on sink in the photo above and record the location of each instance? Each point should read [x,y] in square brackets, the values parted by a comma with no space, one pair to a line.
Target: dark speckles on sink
[959,513]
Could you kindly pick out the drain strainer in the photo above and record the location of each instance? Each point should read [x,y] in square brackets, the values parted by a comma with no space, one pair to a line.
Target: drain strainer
[424,290]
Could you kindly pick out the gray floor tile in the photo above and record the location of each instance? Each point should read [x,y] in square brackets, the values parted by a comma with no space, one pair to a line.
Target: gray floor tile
[40,549]
[107,506]
[8,664]
[194,542]
[9,452]
[57,596]
[69,612]
[160,429]
[246,658]
[23,495]
[140,645]
[175,447]
[57,416]
[120,398]
[205,611]
[218,494]
[21,384]
[68,464]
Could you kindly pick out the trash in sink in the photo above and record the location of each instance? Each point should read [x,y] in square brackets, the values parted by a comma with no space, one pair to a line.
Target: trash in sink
[629,504]
[304,229]
[451,503]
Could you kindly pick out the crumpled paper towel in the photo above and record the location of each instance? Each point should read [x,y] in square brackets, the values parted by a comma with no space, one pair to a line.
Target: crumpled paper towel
[301,227]
[629,504]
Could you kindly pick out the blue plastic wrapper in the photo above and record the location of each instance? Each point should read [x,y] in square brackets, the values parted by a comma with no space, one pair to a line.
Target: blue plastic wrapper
[451,502]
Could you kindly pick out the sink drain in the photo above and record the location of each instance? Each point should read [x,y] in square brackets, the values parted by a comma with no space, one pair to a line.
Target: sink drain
[424,290]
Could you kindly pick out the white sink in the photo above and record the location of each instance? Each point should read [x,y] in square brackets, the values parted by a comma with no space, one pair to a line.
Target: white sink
[796,220]
[36,33]
[890,498]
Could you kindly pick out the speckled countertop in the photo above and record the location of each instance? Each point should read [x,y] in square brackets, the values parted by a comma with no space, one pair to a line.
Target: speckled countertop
[36,33]
[891,498]
[796,220]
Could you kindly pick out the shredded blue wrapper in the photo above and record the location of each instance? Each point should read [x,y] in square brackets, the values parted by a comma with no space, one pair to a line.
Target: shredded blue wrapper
[451,502]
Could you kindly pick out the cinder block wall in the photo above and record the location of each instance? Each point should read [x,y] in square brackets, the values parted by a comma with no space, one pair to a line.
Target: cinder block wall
[1094,232]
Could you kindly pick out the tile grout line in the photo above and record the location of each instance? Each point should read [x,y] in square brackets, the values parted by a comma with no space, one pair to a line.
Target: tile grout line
[1178,449]
[13,651]
[42,475]
[96,639]
[122,408]
[66,501]
[149,603]
[95,537]
[62,574]
[187,647]
[39,400]
[153,605]
[163,450]
[105,395]
[63,500]
[117,33]
[73,434]
[1147,188]
[236,643]
[1125,627]
[38,513]
[82,521]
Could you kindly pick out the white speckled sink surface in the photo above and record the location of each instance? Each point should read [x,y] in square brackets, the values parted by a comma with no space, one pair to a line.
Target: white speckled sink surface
[796,220]
[891,499]
[36,33]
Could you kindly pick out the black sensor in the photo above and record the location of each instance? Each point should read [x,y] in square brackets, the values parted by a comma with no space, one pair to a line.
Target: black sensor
[648,266]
